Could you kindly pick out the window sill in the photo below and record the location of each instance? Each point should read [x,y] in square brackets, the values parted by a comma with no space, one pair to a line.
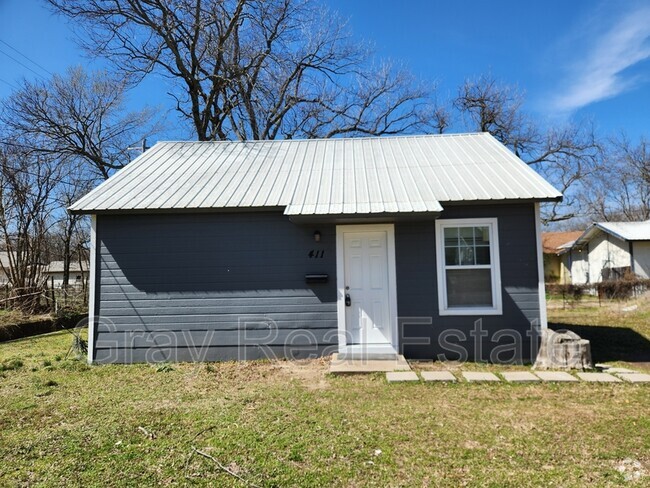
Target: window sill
[470,311]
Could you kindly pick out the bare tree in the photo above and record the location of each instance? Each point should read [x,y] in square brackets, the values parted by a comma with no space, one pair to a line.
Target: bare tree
[566,155]
[78,116]
[27,182]
[79,121]
[620,189]
[70,228]
[254,69]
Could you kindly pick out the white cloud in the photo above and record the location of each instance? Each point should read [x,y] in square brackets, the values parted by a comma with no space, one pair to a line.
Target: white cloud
[598,73]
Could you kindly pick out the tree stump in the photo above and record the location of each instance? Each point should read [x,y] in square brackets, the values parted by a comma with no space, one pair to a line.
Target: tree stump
[563,350]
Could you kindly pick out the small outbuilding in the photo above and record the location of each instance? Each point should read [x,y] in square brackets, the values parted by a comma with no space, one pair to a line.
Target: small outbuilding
[609,251]
[429,246]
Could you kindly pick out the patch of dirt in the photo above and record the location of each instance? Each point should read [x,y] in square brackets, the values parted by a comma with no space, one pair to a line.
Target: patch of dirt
[311,373]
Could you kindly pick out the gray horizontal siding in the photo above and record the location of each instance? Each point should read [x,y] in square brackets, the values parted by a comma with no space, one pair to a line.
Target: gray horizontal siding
[225,353]
[417,288]
[231,286]
[212,338]
[211,287]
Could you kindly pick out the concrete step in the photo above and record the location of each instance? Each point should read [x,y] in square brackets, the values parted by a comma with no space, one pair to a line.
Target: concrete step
[355,366]
[378,352]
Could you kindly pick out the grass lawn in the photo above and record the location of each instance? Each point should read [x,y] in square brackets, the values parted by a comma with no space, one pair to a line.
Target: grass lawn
[619,331]
[63,423]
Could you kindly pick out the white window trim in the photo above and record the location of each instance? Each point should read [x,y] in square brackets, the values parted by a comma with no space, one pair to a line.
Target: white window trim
[443,309]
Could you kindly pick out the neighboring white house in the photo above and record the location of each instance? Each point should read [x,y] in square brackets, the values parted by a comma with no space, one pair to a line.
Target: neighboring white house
[78,274]
[609,250]
[4,265]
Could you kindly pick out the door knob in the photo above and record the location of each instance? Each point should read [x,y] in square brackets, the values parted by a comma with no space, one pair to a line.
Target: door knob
[348,300]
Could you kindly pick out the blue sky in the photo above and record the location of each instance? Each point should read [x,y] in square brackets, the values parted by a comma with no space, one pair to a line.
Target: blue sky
[579,58]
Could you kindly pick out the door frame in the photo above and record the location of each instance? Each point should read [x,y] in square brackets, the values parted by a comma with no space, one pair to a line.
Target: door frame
[340,277]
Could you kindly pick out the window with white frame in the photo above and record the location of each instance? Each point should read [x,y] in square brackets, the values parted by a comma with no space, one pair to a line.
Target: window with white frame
[469,280]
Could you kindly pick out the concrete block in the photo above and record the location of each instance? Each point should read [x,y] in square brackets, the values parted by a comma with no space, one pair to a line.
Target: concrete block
[555,376]
[598,378]
[636,377]
[437,376]
[354,366]
[401,376]
[519,376]
[474,376]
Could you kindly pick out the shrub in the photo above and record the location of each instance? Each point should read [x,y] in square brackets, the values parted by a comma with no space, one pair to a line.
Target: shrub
[11,364]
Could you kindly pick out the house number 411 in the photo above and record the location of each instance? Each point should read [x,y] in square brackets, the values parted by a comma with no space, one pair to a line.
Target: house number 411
[315,254]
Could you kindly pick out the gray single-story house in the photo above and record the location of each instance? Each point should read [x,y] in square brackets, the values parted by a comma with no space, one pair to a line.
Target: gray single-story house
[423,245]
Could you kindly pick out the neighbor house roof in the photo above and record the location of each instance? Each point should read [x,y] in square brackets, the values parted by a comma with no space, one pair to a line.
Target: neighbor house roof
[554,242]
[321,176]
[627,231]
[57,267]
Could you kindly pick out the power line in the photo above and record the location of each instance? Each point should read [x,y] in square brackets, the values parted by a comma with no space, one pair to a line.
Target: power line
[22,64]
[11,85]
[26,57]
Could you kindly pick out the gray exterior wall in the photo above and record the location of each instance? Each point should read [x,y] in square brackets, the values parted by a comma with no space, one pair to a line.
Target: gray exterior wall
[201,287]
[502,338]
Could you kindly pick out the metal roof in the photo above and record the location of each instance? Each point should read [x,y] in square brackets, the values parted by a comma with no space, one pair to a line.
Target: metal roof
[627,231]
[57,267]
[321,176]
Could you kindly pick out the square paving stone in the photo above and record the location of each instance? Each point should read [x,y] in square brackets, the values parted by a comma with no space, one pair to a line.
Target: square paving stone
[519,376]
[474,376]
[558,376]
[619,370]
[598,378]
[636,377]
[437,376]
[401,376]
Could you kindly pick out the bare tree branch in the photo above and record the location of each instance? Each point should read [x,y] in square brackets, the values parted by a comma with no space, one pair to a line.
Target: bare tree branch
[255,69]
[565,155]
[77,116]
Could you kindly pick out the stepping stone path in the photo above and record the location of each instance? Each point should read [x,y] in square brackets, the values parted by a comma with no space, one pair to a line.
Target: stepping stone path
[636,377]
[472,376]
[519,377]
[598,378]
[438,376]
[401,376]
[621,375]
[556,376]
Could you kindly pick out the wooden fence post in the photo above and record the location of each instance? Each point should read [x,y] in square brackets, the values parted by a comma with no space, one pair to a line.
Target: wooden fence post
[53,295]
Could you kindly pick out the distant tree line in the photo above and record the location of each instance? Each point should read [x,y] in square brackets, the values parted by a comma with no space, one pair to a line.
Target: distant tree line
[258,69]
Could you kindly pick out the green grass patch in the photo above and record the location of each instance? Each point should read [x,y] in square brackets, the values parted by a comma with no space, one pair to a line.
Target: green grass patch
[292,424]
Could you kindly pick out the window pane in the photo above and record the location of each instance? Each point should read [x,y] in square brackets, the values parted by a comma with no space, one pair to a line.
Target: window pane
[451,236]
[451,256]
[466,255]
[469,288]
[482,235]
[482,255]
[466,236]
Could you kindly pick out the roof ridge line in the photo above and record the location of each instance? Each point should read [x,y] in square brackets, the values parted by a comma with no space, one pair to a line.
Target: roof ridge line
[399,136]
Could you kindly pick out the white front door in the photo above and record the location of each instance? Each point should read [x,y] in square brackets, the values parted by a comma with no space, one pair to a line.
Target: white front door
[366,284]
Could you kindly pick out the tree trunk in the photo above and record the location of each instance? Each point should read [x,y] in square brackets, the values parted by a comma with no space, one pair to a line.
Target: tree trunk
[563,350]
